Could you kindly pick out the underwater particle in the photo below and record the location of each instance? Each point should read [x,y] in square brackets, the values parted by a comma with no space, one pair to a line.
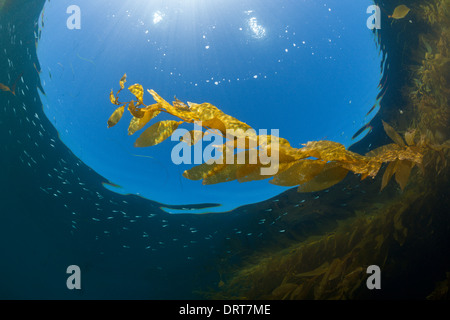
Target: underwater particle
[257,30]
[206,47]
[158,16]
[400,12]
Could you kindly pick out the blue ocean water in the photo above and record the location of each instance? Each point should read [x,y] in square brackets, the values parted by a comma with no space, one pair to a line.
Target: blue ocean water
[309,69]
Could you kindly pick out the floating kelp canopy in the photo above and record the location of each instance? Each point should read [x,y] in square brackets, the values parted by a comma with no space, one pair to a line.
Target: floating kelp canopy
[316,166]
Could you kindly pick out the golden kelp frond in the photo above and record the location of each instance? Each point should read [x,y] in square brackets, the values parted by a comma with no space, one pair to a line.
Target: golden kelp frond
[329,151]
[157,133]
[112,98]
[137,124]
[179,104]
[393,134]
[388,173]
[223,173]
[138,92]
[122,81]
[392,152]
[401,169]
[192,137]
[213,117]
[402,172]
[298,172]
[135,112]
[203,171]
[400,12]
[331,174]
[246,156]
[365,167]
[185,114]
[410,137]
[116,116]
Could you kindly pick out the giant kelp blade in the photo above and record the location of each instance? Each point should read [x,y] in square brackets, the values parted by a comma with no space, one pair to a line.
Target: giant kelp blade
[192,137]
[280,148]
[179,104]
[245,167]
[252,170]
[214,118]
[138,92]
[226,174]
[214,123]
[112,98]
[122,81]
[402,173]
[135,112]
[393,134]
[381,152]
[134,126]
[116,116]
[137,124]
[298,173]
[363,166]
[400,12]
[183,113]
[327,151]
[392,152]
[388,173]
[157,133]
[203,171]
[330,175]
[409,137]
[249,172]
